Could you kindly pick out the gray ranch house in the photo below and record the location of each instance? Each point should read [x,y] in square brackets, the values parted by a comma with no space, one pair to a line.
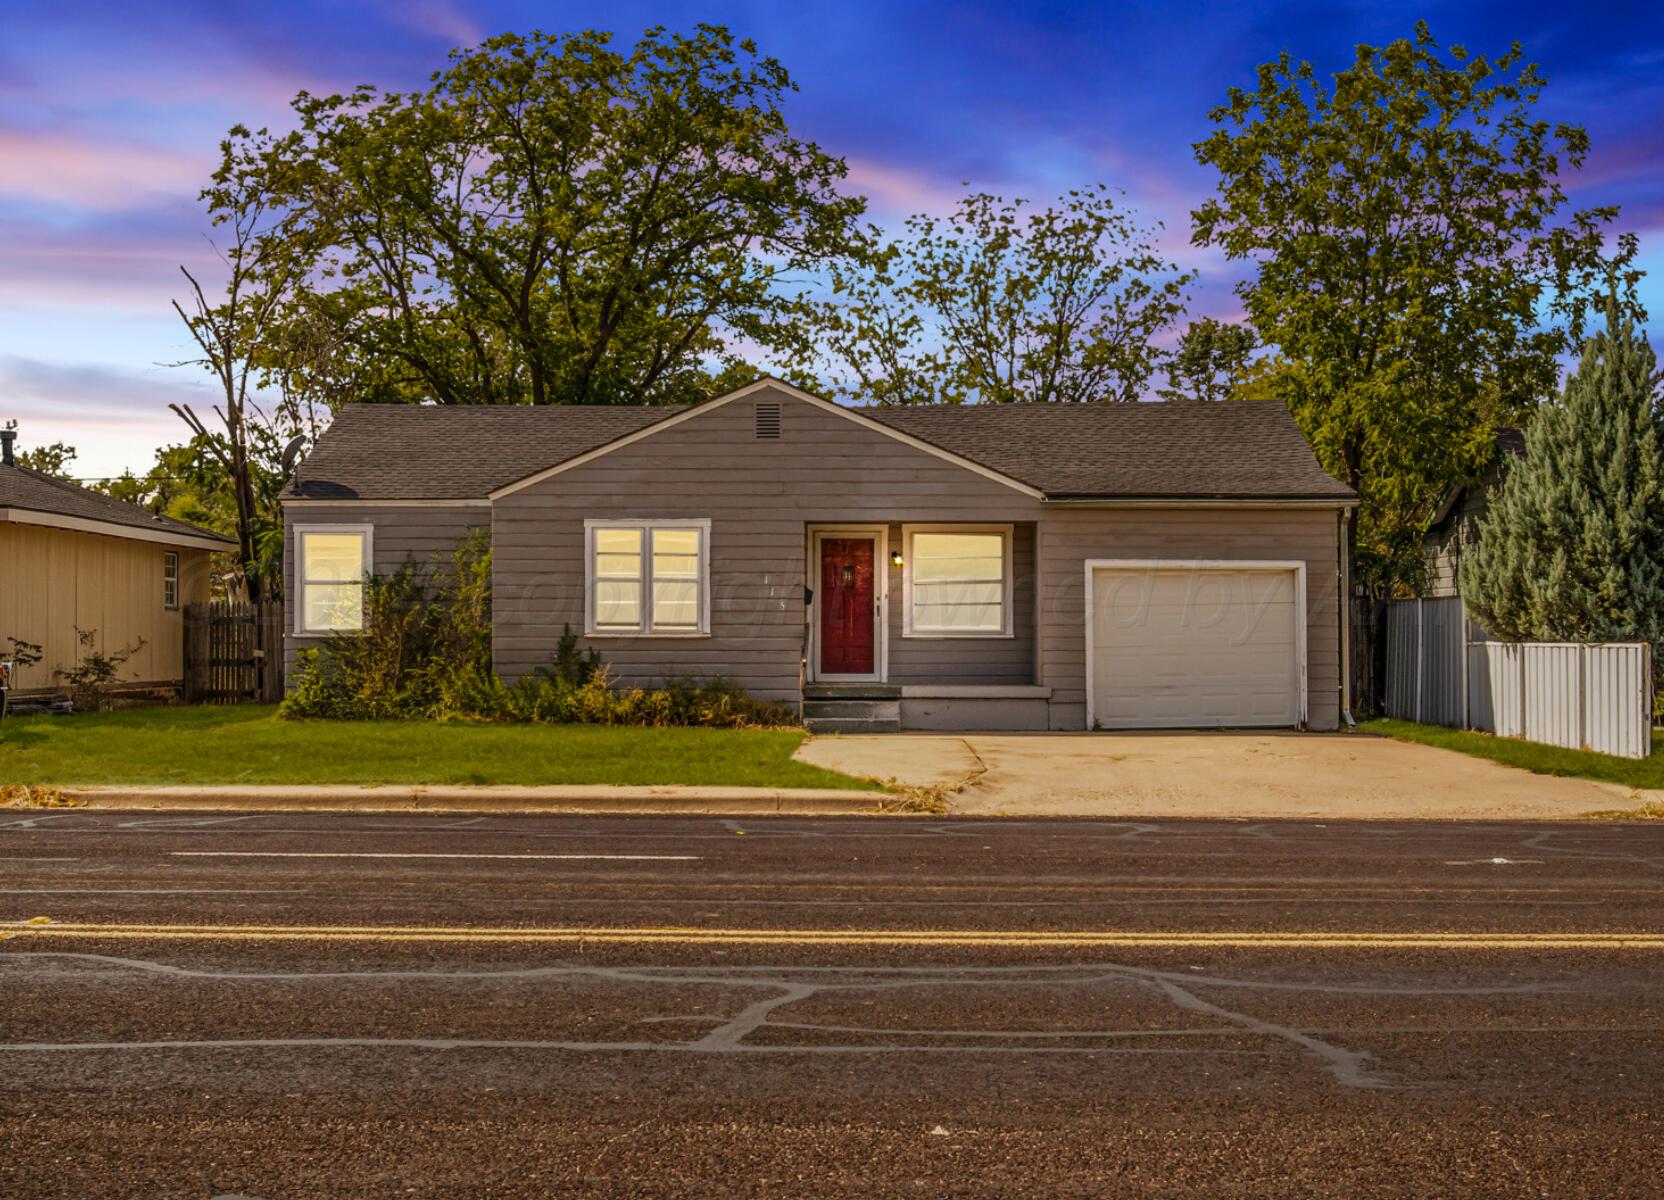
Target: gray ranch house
[1020,567]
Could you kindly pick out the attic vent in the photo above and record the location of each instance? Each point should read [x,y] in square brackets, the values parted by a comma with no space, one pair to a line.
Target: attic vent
[768,421]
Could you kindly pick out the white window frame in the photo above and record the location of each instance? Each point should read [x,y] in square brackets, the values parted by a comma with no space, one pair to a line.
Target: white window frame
[301,533]
[170,580]
[701,525]
[1008,617]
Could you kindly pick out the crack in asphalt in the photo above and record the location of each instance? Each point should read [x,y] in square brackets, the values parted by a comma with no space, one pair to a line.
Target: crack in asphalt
[1536,842]
[378,1043]
[732,1032]
[788,985]
[1351,1068]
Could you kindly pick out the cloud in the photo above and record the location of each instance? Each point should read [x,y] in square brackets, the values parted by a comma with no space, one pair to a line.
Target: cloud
[900,191]
[124,263]
[84,395]
[57,167]
[115,417]
[437,18]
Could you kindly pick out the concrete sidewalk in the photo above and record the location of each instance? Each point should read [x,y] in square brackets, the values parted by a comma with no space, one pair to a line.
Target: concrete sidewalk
[1227,775]
[741,801]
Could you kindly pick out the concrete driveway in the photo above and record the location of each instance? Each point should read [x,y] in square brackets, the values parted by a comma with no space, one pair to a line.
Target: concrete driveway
[1210,775]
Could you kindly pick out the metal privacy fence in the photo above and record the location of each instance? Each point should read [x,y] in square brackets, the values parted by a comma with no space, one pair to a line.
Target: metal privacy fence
[1443,670]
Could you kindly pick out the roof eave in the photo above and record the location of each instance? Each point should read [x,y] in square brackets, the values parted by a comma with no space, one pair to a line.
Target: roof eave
[385,501]
[1215,500]
[196,539]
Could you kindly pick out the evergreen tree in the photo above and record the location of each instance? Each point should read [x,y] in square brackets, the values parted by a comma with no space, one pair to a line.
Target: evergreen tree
[1572,547]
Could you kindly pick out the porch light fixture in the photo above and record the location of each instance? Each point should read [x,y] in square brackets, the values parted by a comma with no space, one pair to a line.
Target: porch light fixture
[895,558]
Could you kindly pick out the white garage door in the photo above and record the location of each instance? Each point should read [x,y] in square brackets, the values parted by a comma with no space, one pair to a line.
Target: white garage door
[1183,646]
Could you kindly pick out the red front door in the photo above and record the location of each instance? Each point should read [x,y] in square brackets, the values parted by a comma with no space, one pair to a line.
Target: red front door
[846,606]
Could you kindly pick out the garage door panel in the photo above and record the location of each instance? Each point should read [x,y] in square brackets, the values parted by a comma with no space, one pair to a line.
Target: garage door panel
[1134,640]
[1200,615]
[1273,630]
[1188,589]
[1238,622]
[1200,648]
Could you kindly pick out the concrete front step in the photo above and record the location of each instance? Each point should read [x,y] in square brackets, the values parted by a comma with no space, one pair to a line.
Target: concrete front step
[851,725]
[852,691]
[852,708]
[866,710]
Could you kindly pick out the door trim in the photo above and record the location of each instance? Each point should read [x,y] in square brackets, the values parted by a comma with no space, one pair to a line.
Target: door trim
[880,538]
[1302,632]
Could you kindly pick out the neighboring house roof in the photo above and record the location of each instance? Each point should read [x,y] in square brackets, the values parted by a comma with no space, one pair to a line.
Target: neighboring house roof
[1509,444]
[29,497]
[1188,450]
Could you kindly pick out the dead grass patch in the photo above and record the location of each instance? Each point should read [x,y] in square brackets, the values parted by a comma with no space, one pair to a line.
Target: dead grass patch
[931,801]
[1652,810]
[24,795]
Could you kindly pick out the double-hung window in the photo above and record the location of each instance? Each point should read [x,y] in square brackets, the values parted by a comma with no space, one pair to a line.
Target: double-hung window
[331,562]
[957,581]
[170,579]
[648,578]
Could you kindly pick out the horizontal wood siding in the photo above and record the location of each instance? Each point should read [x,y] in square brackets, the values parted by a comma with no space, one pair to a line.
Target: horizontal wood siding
[760,497]
[1070,536]
[58,579]
[1442,547]
[403,533]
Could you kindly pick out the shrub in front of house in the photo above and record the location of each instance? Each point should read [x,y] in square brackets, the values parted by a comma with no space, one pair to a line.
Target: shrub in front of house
[425,653]
[550,698]
[327,688]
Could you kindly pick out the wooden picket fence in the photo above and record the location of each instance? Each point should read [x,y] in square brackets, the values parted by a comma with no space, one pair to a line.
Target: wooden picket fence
[234,652]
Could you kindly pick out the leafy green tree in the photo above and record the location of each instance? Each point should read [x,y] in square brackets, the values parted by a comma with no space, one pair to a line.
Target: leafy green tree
[1210,361]
[51,460]
[1418,268]
[233,329]
[1571,547]
[160,488]
[1000,302]
[555,220]
[190,482]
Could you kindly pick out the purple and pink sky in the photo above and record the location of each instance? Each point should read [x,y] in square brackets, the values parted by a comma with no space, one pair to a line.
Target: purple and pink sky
[110,116]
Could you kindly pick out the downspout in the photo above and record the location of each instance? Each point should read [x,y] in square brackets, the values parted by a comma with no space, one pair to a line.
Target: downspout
[1343,572]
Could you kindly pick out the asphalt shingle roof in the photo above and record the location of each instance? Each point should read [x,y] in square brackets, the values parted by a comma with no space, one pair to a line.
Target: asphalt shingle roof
[1181,450]
[453,452]
[27,489]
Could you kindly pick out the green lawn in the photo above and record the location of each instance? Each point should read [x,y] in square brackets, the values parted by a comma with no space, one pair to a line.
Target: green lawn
[249,745]
[1544,760]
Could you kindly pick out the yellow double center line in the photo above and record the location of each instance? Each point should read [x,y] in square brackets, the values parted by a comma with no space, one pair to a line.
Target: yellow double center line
[697,936]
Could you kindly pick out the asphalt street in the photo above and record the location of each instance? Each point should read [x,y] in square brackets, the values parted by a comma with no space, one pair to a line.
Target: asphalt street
[323,1005]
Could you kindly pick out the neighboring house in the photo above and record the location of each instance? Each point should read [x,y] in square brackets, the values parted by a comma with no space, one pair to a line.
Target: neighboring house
[1456,521]
[1016,566]
[72,558]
